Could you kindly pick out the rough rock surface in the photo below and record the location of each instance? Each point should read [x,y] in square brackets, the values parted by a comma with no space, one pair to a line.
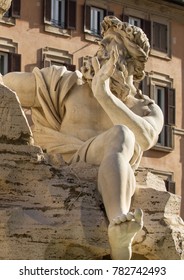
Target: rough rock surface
[49,210]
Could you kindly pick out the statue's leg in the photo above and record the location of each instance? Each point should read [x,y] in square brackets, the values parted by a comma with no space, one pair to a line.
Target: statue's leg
[113,151]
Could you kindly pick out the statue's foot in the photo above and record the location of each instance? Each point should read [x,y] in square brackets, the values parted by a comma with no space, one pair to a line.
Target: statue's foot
[121,233]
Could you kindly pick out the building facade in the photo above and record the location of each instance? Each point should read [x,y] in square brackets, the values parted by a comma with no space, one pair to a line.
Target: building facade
[64,32]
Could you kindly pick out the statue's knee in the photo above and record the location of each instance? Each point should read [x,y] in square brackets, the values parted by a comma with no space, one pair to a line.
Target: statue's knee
[122,134]
[121,140]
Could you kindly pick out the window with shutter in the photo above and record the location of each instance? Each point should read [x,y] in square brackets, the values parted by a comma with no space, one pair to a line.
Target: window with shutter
[93,18]
[165,98]
[157,33]
[160,37]
[9,62]
[144,24]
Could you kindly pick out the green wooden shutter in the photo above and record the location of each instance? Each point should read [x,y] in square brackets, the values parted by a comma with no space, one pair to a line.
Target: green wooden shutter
[160,37]
[47,10]
[87,17]
[14,62]
[146,27]
[71,14]
[15,8]
[171,106]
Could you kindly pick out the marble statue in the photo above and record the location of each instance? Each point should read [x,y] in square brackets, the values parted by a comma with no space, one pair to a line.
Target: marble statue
[4,6]
[99,116]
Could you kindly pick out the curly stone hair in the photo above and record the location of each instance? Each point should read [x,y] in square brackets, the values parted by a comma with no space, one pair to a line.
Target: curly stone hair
[135,42]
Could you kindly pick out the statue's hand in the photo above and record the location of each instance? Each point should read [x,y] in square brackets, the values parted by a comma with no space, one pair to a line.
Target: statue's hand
[100,81]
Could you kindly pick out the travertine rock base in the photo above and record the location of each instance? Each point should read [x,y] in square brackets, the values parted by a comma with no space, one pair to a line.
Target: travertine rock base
[49,210]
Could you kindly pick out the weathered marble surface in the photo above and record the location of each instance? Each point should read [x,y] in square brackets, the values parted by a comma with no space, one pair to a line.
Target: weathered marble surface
[49,210]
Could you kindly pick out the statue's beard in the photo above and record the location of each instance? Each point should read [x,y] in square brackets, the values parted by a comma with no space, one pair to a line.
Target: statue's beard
[118,85]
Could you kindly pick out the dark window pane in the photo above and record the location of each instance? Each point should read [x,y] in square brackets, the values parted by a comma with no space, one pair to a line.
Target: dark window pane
[71,10]
[47,10]
[16,6]
[14,62]
[160,37]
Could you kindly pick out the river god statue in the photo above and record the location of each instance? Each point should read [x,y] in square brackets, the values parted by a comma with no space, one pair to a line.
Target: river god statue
[100,117]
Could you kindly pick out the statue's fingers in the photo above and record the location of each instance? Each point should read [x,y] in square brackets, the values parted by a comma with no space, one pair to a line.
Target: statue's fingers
[109,69]
[95,64]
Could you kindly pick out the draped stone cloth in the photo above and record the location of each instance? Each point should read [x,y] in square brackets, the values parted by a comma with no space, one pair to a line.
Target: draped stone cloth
[52,86]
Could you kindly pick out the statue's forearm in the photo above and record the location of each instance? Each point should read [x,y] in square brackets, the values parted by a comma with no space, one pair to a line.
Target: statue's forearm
[145,132]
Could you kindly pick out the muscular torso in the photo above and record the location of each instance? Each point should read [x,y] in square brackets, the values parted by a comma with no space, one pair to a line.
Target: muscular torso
[84,117]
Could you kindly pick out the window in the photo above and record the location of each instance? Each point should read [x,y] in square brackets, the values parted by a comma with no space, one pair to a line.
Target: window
[57,57]
[165,98]
[97,16]
[157,32]
[10,60]
[93,18]
[60,13]
[135,21]
[159,88]
[144,24]
[160,37]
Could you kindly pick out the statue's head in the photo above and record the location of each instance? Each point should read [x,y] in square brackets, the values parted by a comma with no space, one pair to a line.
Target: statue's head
[133,50]
[132,42]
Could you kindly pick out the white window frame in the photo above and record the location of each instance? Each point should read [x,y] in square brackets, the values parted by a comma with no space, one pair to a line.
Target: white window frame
[56,14]
[94,24]
[134,21]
